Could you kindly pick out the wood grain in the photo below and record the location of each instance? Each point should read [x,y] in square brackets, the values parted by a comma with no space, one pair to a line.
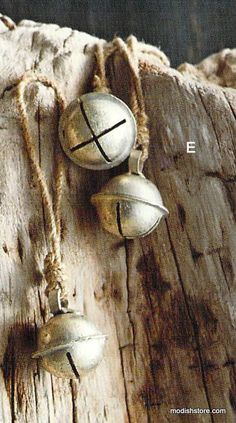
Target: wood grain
[167,301]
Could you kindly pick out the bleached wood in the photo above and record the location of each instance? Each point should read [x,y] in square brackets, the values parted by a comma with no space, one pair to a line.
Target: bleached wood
[167,301]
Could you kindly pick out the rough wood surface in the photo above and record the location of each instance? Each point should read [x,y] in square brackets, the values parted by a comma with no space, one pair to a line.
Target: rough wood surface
[167,301]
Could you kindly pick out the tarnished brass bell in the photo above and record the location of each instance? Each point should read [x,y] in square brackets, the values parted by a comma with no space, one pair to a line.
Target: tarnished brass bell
[97,131]
[130,205]
[69,345]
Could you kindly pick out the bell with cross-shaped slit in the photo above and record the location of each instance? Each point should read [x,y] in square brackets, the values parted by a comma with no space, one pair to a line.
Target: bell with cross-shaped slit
[69,345]
[130,205]
[97,131]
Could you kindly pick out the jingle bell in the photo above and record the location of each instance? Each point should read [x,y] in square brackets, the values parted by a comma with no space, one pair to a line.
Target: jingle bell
[97,131]
[69,345]
[129,205]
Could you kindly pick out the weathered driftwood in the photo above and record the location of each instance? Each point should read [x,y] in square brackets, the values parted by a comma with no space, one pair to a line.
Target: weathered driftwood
[167,302]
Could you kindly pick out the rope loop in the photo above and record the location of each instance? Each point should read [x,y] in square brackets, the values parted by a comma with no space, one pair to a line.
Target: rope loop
[52,266]
[100,82]
[129,51]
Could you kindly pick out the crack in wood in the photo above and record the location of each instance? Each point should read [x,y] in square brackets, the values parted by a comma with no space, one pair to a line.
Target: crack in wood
[129,314]
[125,387]
[229,362]
[231,198]
[210,119]
[149,342]
[230,106]
[35,390]
[43,311]
[130,345]
[207,366]
[219,175]
[73,386]
[9,374]
[121,348]
[5,249]
[223,271]
[20,248]
[67,38]
[53,393]
[105,412]
[181,214]
[193,323]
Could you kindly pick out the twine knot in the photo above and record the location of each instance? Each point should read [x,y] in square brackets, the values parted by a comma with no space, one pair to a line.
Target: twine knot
[53,273]
[99,85]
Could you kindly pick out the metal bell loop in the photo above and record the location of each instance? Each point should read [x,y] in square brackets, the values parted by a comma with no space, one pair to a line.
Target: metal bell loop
[135,162]
[97,131]
[56,303]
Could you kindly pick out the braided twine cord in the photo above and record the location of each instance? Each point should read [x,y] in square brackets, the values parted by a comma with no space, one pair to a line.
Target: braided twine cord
[53,270]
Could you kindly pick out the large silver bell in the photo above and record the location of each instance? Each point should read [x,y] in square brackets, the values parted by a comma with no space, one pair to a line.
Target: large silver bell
[97,131]
[129,205]
[69,345]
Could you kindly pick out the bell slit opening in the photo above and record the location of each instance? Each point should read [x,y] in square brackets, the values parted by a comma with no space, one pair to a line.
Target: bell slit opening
[93,134]
[118,219]
[73,366]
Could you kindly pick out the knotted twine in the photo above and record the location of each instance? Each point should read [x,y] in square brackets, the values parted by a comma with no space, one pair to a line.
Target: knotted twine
[53,270]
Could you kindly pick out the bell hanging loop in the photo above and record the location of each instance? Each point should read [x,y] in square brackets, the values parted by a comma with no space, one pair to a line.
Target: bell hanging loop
[57,304]
[136,163]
